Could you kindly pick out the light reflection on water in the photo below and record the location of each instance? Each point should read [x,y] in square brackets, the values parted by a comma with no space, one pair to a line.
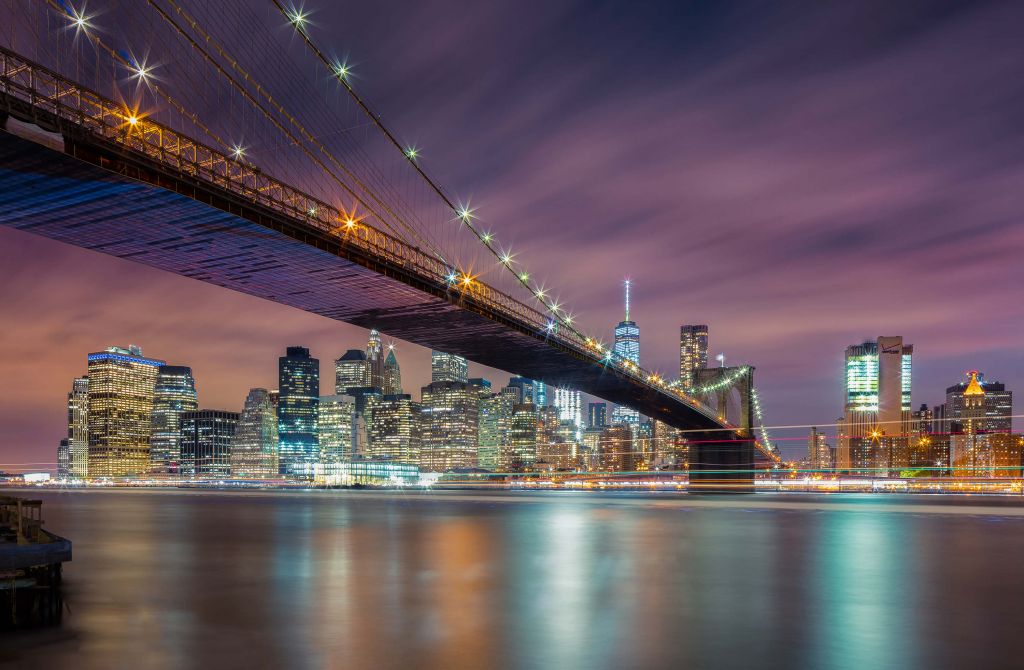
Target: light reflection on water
[556,580]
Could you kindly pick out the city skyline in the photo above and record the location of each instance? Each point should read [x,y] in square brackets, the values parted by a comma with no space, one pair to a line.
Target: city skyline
[780,321]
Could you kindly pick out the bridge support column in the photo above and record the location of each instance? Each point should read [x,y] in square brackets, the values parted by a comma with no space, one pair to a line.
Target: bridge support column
[725,466]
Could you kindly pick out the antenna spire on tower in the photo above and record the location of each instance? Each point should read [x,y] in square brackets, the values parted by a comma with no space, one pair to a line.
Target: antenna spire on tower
[627,298]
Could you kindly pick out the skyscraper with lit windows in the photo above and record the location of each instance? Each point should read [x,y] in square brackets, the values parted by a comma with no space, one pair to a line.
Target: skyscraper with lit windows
[448,367]
[394,429]
[375,361]
[351,371]
[626,348]
[877,418]
[254,445]
[693,353]
[297,413]
[174,394]
[449,425]
[567,403]
[120,406]
[392,374]
[78,429]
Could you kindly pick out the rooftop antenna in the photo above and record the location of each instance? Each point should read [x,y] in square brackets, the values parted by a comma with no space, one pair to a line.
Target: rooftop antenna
[627,298]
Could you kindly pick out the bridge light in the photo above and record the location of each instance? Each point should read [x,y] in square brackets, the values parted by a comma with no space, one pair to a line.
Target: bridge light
[350,223]
[78,18]
[238,151]
[506,258]
[343,70]
[412,153]
[452,277]
[297,17]
[487,237]
[132,120]
[524,277]
[312,211]
[467,280]
[568,319]
[540,293]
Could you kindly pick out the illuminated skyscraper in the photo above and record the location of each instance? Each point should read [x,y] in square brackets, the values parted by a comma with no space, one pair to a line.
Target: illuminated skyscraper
[206,437]
[351,371]
[493,422]
[449,426]
[392,374]
[64,459]
[540,394]
[522,438]
[877,420]
[254,446]
[297,413]
[448,367]
[567,403]
[998,406]
[120,407]
[394,429]
[970,447]
[335,431]
[597,415]
[626,348]
[375,361]
[78,429]
[175,393]
[693,353]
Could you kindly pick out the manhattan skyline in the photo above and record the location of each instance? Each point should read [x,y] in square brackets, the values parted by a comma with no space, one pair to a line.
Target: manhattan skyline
[913,232]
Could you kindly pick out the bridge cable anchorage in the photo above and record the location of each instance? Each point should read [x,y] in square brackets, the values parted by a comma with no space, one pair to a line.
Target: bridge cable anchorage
[291,119]
[462,212]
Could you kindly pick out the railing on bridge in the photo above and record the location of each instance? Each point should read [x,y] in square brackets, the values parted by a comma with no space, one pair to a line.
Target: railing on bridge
[29,88]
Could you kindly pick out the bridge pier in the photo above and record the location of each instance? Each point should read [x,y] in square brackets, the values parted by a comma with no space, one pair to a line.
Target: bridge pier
[721,466]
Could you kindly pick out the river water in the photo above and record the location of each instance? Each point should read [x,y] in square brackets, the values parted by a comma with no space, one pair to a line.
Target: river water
[359,579]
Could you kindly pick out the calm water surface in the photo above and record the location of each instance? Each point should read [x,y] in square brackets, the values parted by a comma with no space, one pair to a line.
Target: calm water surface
[176,579]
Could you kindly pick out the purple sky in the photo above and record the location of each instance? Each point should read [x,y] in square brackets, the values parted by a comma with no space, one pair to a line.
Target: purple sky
[800,177]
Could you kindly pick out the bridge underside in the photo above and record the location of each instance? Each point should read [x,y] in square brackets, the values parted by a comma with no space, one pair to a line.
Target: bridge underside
[93,196]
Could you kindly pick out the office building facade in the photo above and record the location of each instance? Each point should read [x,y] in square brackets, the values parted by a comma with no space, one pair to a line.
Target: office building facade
[693,353]
[174,394]
[206,437]
[254,446]
[298,413]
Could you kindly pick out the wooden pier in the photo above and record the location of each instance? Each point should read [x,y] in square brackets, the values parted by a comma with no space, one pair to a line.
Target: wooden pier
[30,566]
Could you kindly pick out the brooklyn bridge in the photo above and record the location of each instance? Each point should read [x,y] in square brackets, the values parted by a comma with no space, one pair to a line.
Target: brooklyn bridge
[152,133]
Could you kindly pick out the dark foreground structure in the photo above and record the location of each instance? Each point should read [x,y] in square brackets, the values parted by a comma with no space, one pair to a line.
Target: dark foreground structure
[30,566]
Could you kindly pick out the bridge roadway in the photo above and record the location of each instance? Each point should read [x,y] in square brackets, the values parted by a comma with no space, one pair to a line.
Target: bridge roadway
[77,186]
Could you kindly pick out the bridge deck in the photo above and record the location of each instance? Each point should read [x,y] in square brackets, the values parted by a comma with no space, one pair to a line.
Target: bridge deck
[189,228]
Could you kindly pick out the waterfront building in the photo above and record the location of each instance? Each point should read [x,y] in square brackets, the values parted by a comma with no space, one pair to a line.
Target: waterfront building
[174,393]
[335,430]
[78,428]
[626,348]
[597,415]
[670,449]
[493,421]
[369,472]
[615,448]
[693,353]
[64,459]
[351,371]
[448,368]
[254,446]
[522,438]
[392,374]
[591,448]
[568,404]
[375,361]
[206,437]
[819,452]
[394,430]
[449,425]
[998,406]
[970,447]
[921,420]
[365,399]
[120,405]
[297,413]
[931,451]
[1007,451]
[876,425]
